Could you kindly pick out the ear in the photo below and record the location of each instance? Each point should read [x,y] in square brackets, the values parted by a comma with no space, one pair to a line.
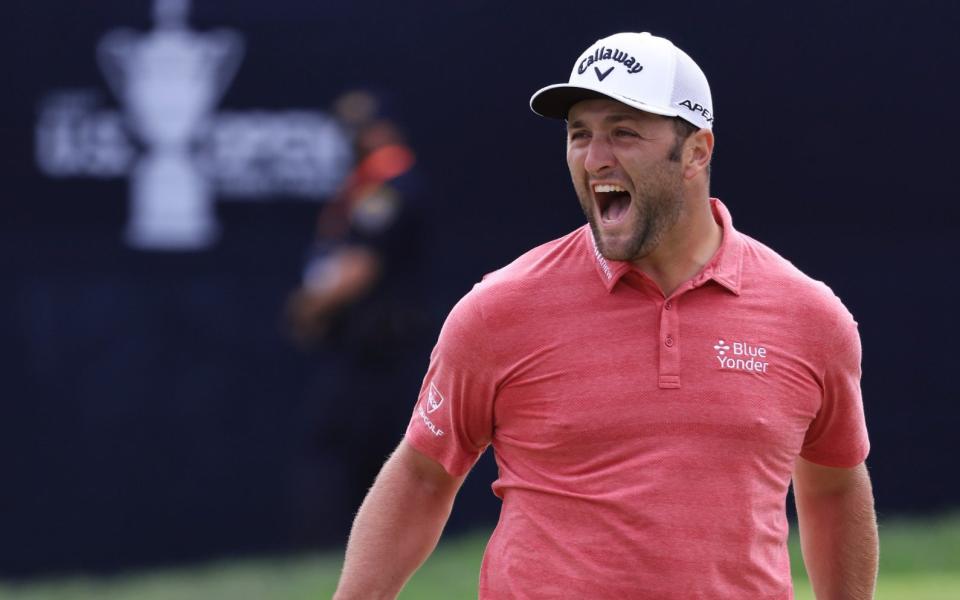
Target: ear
[697,153]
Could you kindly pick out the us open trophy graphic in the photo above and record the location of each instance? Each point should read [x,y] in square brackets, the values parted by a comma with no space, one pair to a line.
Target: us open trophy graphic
[169,80]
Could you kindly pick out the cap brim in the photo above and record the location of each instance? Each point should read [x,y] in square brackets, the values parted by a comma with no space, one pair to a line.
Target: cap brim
[554,101]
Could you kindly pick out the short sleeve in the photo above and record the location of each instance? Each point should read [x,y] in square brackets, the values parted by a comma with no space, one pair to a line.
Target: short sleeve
[452,421]
[837,437]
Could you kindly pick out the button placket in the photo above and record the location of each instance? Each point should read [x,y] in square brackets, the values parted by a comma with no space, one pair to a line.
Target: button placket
[669,371]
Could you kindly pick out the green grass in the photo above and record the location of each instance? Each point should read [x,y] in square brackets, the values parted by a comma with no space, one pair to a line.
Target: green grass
[920,560]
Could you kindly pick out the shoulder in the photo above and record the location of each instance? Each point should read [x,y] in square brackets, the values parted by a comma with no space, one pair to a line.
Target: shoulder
[767,274]
[560,264]
[504,304]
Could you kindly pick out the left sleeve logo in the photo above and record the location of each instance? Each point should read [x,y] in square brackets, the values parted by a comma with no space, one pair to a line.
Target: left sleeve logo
[434,400]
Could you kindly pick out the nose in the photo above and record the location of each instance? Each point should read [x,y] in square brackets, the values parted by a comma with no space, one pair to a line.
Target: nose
[599,156]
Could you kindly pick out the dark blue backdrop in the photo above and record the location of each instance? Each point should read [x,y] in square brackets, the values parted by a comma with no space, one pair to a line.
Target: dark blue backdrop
[150,409]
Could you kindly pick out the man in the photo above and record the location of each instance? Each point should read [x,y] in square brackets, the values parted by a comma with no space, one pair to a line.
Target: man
[357,307]
[650,383]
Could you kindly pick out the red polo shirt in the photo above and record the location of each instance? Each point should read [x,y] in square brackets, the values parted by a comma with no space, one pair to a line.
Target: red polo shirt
[645,444]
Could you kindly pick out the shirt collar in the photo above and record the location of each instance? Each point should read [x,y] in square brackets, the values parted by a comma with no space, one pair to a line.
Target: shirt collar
[724,267]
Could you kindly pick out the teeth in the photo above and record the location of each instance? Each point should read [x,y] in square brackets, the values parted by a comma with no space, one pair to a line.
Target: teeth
[607,187]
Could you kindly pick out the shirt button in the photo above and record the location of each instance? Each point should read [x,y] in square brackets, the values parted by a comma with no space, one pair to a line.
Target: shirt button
[668,341]
[668,305]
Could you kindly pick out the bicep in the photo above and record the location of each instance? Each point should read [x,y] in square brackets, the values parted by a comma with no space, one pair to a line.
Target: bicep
[812,479]
[415,469]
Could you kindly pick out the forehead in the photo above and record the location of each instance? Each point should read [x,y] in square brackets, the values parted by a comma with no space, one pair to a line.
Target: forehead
[601,109]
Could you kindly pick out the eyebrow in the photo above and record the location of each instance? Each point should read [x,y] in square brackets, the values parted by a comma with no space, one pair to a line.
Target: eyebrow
[615,118]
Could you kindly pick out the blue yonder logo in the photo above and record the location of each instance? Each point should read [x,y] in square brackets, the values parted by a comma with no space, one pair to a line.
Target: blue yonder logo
[602,53]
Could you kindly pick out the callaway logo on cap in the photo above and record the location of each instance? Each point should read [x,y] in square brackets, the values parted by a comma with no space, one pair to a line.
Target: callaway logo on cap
[641,70]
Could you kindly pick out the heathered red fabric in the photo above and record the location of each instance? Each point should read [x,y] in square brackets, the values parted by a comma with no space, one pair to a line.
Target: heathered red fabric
[645,444]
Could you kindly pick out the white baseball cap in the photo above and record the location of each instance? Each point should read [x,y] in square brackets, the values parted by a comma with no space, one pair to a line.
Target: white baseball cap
[638,69]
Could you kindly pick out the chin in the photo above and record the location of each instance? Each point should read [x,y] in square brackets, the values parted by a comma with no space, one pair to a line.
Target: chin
[625,245]
[624,249]
[615,250]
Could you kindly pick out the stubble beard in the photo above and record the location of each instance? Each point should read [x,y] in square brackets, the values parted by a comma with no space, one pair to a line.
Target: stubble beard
[657,204]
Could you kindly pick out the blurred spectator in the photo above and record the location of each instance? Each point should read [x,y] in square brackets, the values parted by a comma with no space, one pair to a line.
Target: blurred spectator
[358,307]
[349,292]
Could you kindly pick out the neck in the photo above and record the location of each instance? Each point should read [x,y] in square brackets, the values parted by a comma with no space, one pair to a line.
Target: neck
[685,249]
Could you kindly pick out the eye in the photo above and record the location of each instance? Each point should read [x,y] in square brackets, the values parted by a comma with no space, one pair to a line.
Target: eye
[579,134]
[625,133]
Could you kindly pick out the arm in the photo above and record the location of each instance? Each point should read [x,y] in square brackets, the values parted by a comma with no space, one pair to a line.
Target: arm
[331,283]
[838,530]
[398,525]
[347,274]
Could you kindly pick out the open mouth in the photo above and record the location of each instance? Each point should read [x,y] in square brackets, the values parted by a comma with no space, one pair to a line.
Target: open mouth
[613,202]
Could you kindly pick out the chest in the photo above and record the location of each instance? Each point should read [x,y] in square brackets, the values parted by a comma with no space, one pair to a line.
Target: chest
[711,373]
